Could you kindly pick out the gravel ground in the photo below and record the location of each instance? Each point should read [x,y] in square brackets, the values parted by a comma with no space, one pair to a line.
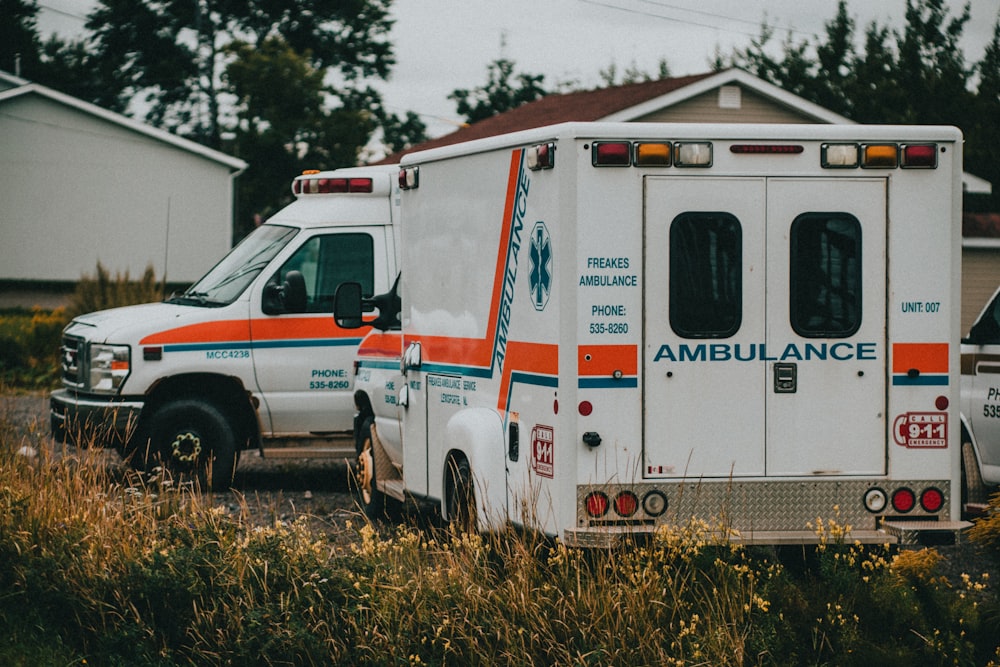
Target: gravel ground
[317,491]
[265,490]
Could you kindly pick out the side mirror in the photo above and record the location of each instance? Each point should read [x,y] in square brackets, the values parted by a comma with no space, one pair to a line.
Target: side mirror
[288,297]
[347,305]
[293,293]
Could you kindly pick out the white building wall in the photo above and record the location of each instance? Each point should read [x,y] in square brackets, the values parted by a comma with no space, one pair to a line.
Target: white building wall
[76,189]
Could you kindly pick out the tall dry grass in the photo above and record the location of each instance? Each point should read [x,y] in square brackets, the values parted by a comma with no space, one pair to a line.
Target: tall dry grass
[111,569]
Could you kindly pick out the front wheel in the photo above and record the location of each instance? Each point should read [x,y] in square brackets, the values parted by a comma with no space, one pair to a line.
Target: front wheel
[193,440]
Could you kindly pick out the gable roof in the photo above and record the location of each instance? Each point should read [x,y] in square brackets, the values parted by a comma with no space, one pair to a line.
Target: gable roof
[622,103]
[20,88]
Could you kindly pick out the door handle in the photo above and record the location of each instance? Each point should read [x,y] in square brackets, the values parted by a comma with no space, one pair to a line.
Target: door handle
[785,378]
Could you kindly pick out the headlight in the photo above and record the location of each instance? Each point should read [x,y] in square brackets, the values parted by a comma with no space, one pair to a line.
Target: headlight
[109,366]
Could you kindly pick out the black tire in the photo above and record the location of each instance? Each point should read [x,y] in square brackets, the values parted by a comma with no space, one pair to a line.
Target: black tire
[461,496]
[369,498]
[194,440]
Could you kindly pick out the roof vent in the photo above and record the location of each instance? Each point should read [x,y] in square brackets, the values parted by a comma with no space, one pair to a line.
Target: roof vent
[730,97]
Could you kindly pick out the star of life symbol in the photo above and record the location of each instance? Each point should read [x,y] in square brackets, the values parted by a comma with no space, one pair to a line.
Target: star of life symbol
[540,256]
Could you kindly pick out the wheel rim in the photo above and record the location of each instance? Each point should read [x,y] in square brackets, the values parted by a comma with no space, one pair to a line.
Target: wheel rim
[365,468]
[186,448]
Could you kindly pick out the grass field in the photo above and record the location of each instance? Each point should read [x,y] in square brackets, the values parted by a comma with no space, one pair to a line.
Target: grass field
[108,570]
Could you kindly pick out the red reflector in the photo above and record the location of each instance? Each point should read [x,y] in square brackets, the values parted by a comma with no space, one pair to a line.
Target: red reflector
[903,500]
[597,504]
[612,154]
[932,500]
[626,503]
[765,149]
[586,407]
[919,156]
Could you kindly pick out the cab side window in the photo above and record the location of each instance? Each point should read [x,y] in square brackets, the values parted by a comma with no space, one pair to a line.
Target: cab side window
[825,275]
[326,261]
[706,275]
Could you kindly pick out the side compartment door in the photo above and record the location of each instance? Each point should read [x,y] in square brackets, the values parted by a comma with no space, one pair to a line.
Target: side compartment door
[826,301]
[303,361]
[703,377]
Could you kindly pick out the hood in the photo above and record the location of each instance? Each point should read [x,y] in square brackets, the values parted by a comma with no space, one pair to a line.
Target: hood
[130,324]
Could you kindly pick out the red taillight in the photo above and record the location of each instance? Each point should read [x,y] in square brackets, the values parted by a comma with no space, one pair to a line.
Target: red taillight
[919,156]
[626,503]
[932,500]
[612,154]
[903,500]
[597,504]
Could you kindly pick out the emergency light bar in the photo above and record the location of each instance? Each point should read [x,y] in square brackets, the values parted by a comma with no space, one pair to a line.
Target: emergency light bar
[700,154]
[325,186]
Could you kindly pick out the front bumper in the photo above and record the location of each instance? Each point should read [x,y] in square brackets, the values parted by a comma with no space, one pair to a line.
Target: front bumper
[92,421]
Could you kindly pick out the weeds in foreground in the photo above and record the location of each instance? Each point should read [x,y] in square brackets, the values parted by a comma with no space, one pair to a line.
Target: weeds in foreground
[112,569]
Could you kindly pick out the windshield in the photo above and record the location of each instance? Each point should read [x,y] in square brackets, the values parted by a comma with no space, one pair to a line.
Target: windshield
[227,279]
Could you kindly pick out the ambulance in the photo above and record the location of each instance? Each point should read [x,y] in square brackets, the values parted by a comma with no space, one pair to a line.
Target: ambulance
[249,355]
[603,328]
[981,407]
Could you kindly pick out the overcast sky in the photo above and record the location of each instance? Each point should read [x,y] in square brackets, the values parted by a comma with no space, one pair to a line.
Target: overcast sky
[442,45]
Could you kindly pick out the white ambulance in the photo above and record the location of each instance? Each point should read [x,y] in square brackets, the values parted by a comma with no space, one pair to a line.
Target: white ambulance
[981,406]
[605,327]
[248,356]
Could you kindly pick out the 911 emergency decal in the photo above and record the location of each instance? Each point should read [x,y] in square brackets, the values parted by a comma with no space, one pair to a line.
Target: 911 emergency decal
[542,454]
[921,430]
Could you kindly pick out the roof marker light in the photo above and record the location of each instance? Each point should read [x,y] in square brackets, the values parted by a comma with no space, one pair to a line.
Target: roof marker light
[611,154]
[542,156]
[839,156]
[693,154]
[649,154]
[879,156]
[766,149]
[409,178]
[919,156]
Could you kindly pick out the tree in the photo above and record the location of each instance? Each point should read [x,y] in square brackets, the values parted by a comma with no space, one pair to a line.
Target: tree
[279,83]
[633,74]
[19,43]
[984,133]
[500,93]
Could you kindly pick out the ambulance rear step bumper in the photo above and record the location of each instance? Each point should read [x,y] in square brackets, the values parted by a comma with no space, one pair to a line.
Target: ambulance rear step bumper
[926,532]
[902,533]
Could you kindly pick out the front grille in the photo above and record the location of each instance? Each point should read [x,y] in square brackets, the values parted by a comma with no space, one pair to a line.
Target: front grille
[71,360]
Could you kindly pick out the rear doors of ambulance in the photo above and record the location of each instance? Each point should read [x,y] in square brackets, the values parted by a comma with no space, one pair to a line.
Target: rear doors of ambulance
[764,335]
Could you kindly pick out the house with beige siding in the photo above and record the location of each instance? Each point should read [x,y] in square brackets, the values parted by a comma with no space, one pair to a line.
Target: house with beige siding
[81,185]
[729,96]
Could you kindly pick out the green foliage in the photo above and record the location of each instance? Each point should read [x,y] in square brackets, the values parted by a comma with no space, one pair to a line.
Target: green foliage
[102,291]
[503,91]
[29,347]
[29,340]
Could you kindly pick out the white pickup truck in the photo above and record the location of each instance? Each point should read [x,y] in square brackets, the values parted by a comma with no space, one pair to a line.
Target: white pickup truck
[981,407]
